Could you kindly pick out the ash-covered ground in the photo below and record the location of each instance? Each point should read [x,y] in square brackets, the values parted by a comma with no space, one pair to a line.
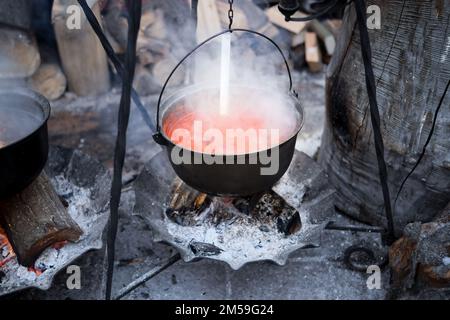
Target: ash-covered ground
[148,270]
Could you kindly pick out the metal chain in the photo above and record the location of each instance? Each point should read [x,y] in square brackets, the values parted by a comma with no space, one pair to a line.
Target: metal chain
[230,13]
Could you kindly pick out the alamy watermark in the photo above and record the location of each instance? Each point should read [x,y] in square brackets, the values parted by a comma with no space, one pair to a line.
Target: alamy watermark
[374,17]
[374,280]
[74,279]
[74,12]
[232,146]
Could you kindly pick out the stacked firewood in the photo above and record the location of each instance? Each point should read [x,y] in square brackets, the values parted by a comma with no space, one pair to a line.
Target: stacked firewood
[78,63]
[313,43]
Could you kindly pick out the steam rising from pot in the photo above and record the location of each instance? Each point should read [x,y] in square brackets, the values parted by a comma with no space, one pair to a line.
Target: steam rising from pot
[233,88]
[225,63]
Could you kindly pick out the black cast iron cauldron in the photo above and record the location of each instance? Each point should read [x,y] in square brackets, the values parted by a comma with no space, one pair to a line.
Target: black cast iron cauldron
[23,159]
[235,175]
[233,179]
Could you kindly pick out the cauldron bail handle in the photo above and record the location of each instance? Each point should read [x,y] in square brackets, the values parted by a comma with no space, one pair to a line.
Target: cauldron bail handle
[157,136]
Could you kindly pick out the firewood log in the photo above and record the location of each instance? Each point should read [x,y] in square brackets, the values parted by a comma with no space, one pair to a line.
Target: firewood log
[162,69]
[157,46]
[156,27]
[334,26]
[146,57]
[412,68]
[35,219]
[116,24]
[298,40]
[144,82]
[19,53]
[83,58]
[313,55]
[49,80]
[325,35]
[208,20]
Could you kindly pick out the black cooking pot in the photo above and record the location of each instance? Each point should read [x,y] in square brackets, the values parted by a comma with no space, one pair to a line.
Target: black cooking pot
[239,176]
[235,175]
[22,155]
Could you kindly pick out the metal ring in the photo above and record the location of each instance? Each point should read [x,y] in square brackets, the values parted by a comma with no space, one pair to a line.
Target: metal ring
[369,252]
[158,127]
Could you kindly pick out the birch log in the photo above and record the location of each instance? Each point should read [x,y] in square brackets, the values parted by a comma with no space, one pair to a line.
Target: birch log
[83,58]
[411,60]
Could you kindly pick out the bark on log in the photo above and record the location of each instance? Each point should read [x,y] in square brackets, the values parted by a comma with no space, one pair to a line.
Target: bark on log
[35,219]
[83,58]
[411,60]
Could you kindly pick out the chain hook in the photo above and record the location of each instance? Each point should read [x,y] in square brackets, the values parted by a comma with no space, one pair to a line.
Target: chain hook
[230,14]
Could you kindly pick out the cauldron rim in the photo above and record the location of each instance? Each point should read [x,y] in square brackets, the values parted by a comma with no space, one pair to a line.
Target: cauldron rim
[40,101]
[172,99]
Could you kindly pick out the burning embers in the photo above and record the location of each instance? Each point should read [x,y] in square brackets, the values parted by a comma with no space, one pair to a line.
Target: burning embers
[267,211]
[7,253]
[43,226]
[237,230]
[6,250]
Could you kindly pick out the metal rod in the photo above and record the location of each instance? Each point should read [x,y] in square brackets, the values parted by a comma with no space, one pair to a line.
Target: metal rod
[146,276]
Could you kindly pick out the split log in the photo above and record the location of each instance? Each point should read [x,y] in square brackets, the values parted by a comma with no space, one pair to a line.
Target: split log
[313,55]
[298,56]
[335,26]
[325,35]
[269,30]
[154,25]
[255,16]
[83,59]
[162,69]
[298,39]
[35,219]
[208,20]
[149,17]
[411,67]
[144,82]
[419,255]
[49,80]
[145,57]
[154,45]
[116,24]
[19,53]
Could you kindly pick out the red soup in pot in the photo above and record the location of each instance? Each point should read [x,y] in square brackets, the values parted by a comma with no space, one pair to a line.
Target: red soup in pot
[255,120]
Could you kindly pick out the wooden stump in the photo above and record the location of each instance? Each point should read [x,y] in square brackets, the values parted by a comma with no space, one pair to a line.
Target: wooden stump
[411,63]
[35,219]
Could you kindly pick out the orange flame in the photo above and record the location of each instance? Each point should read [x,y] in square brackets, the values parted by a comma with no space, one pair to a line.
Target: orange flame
[7,253]
[6,250]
